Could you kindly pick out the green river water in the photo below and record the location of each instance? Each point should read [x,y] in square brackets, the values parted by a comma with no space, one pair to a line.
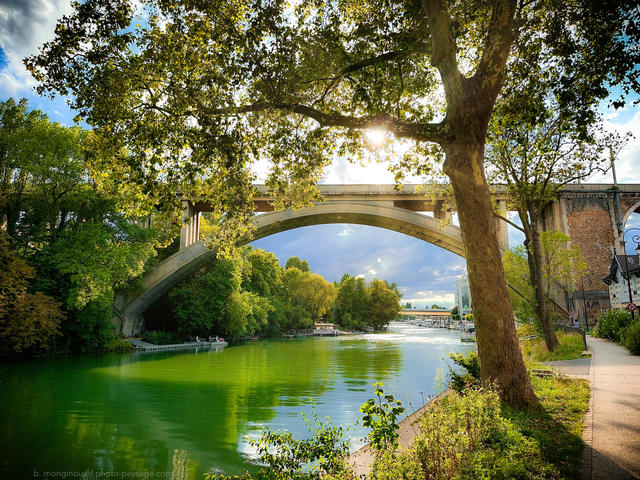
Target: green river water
[180,414]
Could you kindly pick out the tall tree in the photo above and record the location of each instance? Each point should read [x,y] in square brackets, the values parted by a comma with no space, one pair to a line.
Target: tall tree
[535,147]
[383,304]
[201,89]
[351,302]
[309,291]
[295,262]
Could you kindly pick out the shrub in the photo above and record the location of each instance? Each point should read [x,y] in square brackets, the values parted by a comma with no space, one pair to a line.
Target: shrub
[527,329]
[631,338]
[161,337]
[393,465]
[471,363]
[325,452]
[381,417]
[117,345]
[467,437]
[611,323]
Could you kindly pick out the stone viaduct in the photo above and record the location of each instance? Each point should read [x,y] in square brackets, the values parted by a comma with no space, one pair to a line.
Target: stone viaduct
[587,213]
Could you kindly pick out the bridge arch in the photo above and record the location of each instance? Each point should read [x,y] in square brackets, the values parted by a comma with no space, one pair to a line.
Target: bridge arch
[187,261]
[635,208]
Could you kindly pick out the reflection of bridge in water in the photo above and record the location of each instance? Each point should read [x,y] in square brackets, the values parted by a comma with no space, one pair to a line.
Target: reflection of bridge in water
[583,212]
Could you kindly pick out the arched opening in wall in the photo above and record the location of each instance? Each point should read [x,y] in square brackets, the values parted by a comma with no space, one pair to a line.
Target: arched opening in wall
[632,229]
[425,273]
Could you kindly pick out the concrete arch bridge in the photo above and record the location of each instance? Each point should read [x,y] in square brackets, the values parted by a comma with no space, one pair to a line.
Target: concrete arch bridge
[410,211]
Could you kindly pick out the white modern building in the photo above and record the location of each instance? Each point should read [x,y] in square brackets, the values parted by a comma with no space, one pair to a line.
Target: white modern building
[463,295]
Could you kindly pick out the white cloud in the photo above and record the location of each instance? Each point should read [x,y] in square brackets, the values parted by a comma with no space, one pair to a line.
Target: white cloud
[628,163]
[24,26]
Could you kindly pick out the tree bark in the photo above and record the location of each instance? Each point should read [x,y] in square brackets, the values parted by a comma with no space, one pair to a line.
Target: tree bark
[535,274]
[498,348]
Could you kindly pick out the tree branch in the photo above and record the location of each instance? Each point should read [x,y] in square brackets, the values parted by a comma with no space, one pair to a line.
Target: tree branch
[500,37]
[430,132]
[444,46]
[497,215]
[385,57]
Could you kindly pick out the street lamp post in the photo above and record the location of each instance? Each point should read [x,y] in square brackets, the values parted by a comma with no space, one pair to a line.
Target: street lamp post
[584,299]
[635,238]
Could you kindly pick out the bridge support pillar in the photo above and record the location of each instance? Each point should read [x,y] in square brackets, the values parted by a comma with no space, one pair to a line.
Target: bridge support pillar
[501,229]
[189,233]
[439,213]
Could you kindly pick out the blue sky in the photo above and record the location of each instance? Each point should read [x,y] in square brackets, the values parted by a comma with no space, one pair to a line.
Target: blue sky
[425,273]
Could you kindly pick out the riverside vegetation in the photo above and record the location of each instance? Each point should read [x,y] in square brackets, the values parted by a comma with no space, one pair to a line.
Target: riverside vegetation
[468,434]
[67,249]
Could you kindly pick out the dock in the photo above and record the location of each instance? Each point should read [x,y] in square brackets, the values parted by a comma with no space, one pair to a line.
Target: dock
[150,346]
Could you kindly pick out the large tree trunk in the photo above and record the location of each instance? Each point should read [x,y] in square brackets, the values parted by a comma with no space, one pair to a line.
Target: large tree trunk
[498,349]
[535,273]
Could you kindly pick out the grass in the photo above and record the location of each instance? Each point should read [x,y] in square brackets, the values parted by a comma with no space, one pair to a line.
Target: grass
[475,436]
[556,427]
[571,347]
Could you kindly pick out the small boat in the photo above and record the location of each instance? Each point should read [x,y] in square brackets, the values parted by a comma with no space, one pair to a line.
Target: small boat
[253,339]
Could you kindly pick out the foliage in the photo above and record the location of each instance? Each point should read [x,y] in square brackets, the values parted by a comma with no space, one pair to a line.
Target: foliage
[295,262]
[460,382]
[611,323]
[557,425]
[27,321]
[381,417]
[351,303]
[395,465]
[158,337]
[82,251]
[323,453]
[526,329]
[32,322]
[571,346]
[102,258]
[40,166]
[117,345]
[516,271]
[383,303]
[561,261]
[310,292]
[630,337]
[265,278]
[465,436]
[213,301]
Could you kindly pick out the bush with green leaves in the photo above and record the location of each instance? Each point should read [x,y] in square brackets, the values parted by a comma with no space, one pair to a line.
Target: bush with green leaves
[471,364]
[611,323]
[160,337]
[324,453]
[382,417]
[630,338]
[467,437]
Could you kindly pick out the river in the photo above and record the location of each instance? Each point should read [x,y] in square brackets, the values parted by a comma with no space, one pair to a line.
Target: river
[188,412]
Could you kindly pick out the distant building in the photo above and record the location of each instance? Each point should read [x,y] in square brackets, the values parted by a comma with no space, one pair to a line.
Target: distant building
[623,266]
[463,295]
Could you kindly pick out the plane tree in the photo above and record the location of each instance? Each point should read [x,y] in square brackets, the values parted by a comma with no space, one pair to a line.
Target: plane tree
[189,94]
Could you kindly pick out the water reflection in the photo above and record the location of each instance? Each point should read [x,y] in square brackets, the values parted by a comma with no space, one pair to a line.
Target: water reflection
[144,412]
